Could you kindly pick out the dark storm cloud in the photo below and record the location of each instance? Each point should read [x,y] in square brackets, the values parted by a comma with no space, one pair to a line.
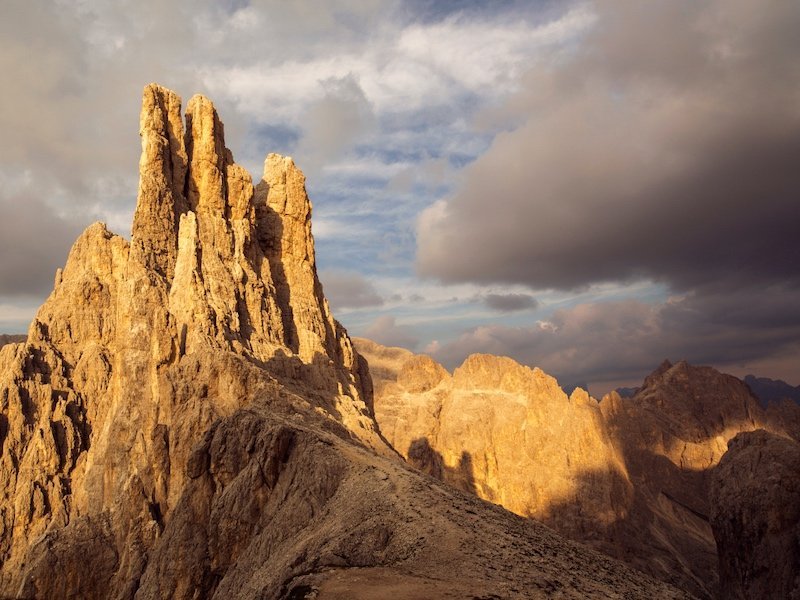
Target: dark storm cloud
[349,290]
[620,340]
[33,244]
[666,149]
[509,302]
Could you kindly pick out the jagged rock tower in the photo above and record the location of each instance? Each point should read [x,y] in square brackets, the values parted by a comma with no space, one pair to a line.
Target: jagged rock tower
[142,345]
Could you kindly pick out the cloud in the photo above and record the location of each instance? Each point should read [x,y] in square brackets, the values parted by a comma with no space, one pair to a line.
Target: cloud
[321,78]
[640,156]
[627,153]
[386,331]
[335,122]
[401,66]
[510,302]
[624,339]
[33,244]
[16,317]
[345,289]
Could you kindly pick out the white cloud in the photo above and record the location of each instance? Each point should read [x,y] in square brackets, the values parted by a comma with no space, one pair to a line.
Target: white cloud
[385,330]
[401,68]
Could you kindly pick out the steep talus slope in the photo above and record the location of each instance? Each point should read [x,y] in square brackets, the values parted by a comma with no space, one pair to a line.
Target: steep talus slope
[755,513]
[628,476]
[186,419]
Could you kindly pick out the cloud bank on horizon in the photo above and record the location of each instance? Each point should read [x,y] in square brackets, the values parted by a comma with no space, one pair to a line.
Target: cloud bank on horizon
[585,186]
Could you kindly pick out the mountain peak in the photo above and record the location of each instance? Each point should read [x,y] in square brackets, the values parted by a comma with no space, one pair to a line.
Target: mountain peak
[215,300]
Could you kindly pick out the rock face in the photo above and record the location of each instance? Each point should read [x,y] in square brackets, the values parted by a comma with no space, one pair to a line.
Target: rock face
[629,476]
[505,432]
[672,433]
[755,500]
[186,418]
[102,402]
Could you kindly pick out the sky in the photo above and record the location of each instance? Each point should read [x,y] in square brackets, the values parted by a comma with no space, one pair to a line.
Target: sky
[587,187]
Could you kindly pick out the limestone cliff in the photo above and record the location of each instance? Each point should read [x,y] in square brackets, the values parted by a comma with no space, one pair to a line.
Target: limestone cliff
[505,432]
[186,419]
[628,476]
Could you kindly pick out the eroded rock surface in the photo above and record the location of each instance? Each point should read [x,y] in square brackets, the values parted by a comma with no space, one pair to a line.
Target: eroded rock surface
[672,433]
[503,431]
[755,514]
[186,419]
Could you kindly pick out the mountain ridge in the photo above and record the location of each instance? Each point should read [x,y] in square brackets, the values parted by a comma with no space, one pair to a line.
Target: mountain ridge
[772,391]
[631,481]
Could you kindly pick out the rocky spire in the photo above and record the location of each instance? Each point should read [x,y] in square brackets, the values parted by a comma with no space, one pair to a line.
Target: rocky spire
[141,346]
[284,231]
[162,179]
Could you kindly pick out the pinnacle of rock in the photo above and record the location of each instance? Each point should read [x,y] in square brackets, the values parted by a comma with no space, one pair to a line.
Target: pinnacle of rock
[162,181]
[132,332]
[238,261]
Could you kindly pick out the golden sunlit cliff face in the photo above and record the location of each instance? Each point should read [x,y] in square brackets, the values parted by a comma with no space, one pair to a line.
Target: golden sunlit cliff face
[628,476]
[104,394]
[186,419]
[504,431]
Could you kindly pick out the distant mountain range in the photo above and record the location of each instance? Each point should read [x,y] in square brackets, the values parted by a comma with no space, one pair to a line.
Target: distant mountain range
[772,390]
[629,476]
[627,392]
[765,389]
[10,339]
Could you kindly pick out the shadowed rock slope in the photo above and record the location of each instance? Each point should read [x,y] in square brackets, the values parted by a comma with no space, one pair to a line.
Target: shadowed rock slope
[187,420]
[628,476]
[755,500]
